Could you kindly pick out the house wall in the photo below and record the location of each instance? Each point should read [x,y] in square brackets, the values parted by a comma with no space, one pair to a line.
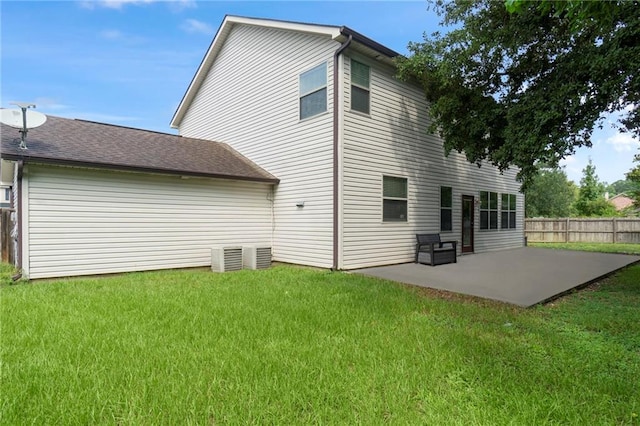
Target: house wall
[392,140]
[249,100]
[84,221]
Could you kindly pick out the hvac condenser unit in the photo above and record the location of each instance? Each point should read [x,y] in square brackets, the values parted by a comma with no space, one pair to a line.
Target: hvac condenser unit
[256,257]
[224,259]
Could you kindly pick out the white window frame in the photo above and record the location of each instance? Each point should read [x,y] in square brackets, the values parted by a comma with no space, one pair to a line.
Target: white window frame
[405,199]
[361,87]
[450,208]
[489,210]
[302,94]
[511,224]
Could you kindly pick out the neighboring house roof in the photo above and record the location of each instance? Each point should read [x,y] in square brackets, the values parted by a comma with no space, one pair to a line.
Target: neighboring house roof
[85,143]
[621,201]
[340,34]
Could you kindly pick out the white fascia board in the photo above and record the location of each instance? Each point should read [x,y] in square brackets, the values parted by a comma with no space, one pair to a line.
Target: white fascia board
[218,41]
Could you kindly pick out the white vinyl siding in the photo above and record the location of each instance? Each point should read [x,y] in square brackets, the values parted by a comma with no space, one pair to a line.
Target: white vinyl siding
[250,100]
[393,140]
[84,221]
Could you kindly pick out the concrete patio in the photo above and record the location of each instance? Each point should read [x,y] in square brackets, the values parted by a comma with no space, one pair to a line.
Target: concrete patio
[525,276]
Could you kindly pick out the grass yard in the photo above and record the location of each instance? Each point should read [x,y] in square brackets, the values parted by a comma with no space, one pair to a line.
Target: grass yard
[598,247]
[293,345]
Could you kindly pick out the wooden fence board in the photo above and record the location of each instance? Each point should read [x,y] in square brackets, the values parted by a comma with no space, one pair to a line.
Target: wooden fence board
[596,230]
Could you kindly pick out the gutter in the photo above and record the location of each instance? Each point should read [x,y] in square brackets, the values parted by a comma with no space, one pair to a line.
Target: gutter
[336,154]
[20,166]
[141,169]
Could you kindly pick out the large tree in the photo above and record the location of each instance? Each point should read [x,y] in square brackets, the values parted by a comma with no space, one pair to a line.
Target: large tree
[634,176]
[550,194]
[591,200]
[528,85]
[622,186]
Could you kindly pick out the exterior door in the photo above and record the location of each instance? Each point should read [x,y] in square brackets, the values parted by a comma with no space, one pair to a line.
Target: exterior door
[467,224]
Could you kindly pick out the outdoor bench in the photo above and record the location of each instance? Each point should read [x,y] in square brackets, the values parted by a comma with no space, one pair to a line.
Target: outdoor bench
[431,251]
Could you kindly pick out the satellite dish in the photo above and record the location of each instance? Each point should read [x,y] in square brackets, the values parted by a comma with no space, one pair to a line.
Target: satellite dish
[14,118]
[24,119]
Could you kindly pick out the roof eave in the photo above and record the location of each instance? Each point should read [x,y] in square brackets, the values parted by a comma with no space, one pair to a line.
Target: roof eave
[130,168]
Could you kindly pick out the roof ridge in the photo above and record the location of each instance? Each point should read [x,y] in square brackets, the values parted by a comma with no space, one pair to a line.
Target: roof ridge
[121,126]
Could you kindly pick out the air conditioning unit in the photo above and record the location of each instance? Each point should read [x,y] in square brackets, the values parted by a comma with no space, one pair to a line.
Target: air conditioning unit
[224,259]
[256,257]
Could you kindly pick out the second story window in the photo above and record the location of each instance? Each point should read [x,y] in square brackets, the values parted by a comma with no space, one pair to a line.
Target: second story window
[313,91]
[360,76]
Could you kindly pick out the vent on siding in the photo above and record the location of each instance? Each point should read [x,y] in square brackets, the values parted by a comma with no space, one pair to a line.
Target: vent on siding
[256,257]
[225,259]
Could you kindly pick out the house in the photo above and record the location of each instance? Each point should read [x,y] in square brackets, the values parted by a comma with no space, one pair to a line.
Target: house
[319,107]
[621,201]
[322,154]
[5,196]
[5,186]
[95,198]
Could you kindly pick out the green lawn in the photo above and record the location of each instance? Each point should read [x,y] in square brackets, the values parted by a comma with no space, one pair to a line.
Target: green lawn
[599,247]
[293,345]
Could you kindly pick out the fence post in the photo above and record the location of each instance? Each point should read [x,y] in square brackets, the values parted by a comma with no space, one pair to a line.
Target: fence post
[615,230]
[566,231]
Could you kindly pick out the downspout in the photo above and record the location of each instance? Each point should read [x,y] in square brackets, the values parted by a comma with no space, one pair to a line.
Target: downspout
[19,221]
[336,153]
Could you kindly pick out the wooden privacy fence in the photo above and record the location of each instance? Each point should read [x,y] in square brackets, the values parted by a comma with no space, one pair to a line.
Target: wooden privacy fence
[6,242]
[582,230]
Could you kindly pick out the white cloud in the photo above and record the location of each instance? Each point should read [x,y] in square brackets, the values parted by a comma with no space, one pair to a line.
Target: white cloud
[49,104]
[111,34]
[623,142]
[195,26]
[175,5]
[180,5]
[112,4]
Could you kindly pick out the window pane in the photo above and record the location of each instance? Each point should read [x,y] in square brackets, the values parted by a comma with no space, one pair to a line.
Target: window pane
[484,200]
[504,220]
[313,103]
[394,187]
[445,196]
[359,99]
[512,202]
[493,219]
[493,200]
[394,210]
[484,220]
[512,220]
[505,201]
[445,220]
[359,74]
[313,80]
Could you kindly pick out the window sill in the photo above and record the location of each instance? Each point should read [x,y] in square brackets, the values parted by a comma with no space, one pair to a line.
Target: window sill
[362,114]
[304,120]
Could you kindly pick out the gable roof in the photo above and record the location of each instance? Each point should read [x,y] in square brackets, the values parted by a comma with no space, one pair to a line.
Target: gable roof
[621,201]
[66,141]
[340,34]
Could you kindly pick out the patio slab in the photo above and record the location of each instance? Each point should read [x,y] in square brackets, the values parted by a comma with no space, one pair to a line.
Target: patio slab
[524,276]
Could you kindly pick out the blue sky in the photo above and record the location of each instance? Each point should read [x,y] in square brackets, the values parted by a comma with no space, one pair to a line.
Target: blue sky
[129,62]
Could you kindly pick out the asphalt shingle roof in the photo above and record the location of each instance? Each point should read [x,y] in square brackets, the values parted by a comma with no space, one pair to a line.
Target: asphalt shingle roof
[87,143]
